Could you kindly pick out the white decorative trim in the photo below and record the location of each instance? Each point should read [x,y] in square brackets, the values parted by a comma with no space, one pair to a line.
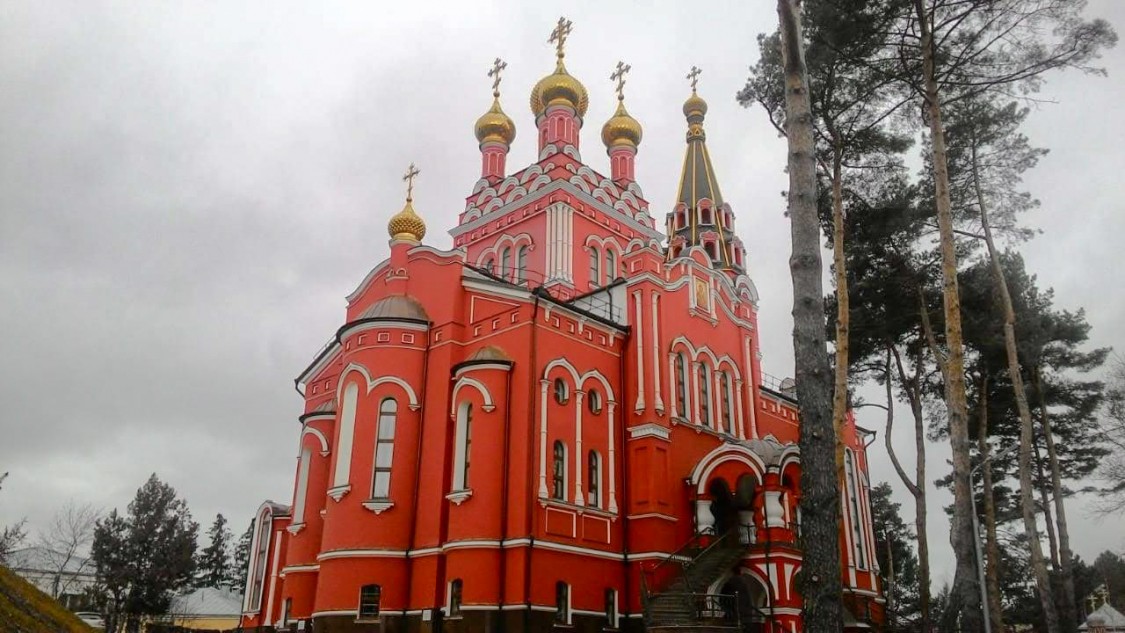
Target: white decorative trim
[471,544]
[610,419]
[459,496]
[293,529]
[364,326]
[424,551]
[480,366]
[378,506]
[372,383]
[299,569]
[658,403]
[361,553]
[650,429]
[488,405]
[653,515]
[639,405]
[338,492]
[337,612]
[308,430]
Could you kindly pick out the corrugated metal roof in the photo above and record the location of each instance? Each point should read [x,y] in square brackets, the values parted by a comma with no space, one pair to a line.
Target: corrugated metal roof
[207,601]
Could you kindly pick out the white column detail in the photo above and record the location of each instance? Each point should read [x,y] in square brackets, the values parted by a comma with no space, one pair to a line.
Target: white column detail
[673,387]
[543,384]
[717,397]
[579,499]
[267,612]
[704,520]
[302,486]
[612,407]
[347,430]
[775,512]
[750,387]
[658,402]
[568,244]
[738,427]
[640,338]
[694,365]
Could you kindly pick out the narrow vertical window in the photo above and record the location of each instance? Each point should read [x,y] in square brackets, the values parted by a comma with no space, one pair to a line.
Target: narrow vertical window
[610,266]
[286,607]
[302,485]
[562,602]
[258,569]
[342,476]
[489,265]
[594,478]
[455,598]
[681,385]
[463,440]
[611,608]
[724,393]
[521,265]
[595,266]
[558,472]
[853,511]
[384,449]
[704,394]
[369,596]
[505,263]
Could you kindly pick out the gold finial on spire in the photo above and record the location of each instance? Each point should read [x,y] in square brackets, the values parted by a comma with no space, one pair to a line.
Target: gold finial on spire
[408,178]
[559,35]
[694,77]
[497,67]
[406,225]
[619,76]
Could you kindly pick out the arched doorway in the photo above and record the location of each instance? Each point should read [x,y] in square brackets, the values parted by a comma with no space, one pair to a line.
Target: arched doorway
[722,506]
[748,601]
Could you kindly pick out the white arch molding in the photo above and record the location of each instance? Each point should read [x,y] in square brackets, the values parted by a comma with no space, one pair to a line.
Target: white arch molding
[308,430]
[465,381]
[412,397]
[721,455]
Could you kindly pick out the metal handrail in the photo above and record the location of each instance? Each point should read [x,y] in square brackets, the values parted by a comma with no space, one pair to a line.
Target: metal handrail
[707,608]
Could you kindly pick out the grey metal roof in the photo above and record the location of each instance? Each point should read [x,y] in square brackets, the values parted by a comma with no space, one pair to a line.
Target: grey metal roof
[207,601]
[396,307]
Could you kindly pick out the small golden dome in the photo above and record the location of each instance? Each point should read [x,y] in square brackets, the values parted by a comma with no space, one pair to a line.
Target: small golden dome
[559,88]
[494,125]
[407,225]
[621,129]
[695,105]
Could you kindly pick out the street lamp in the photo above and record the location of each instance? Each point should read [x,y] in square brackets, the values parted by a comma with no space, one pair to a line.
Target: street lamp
[976,536]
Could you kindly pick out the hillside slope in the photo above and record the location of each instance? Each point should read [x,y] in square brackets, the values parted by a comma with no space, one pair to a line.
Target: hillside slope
[25,609]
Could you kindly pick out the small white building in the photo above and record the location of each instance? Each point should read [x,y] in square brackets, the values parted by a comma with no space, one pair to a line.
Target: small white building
[1104,619]
[62,577]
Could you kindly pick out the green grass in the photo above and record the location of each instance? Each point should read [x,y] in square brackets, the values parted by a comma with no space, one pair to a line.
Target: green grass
[25,609]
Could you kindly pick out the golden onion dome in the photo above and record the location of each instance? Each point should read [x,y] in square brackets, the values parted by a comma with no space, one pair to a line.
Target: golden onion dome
[695,105]
[494,125]
[621,129]
[407,225]
[559,88]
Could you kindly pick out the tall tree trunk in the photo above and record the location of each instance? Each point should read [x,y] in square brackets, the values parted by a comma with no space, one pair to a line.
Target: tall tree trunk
[840,389]
[961,530]
[917,487]
[992,548]
[1045,503]
[1027,503]
[1069,613]
[820,574]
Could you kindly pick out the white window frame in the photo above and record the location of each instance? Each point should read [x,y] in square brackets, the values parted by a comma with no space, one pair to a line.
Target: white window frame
[380,442]
[461,457]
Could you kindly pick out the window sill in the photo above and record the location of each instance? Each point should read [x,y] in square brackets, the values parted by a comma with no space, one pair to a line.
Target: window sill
[338,492]
[378,506]
[459,496]
[295,528]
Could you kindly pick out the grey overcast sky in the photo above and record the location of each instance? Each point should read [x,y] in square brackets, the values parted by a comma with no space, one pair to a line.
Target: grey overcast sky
[189,190]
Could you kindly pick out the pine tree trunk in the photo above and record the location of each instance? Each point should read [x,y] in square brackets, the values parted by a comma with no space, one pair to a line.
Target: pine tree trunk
[992,548]
[820,573]
[1069,613]
[961,530]
[1027,503]
[840,389]
[917,487]
[1048,515]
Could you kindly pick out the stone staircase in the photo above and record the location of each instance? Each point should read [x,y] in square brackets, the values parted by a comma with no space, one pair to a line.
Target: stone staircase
[683,603]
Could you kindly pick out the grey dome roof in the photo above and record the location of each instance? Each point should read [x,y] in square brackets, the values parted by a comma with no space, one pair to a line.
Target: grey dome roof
[490,352]
[396,307]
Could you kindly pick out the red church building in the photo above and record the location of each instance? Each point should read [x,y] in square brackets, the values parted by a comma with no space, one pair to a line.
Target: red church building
[562,423]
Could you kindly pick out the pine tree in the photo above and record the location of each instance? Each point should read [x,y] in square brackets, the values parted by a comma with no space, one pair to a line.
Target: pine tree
[114,564]
[241,560]
[897,564]
[214,568]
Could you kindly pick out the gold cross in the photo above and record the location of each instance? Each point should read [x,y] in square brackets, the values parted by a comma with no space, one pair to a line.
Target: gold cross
[497,66]
[411,172]
[694,77]
[619,76]
[559,35]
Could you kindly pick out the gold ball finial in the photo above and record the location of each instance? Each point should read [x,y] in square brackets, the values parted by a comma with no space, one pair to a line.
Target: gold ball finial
[407,225]
[695,106]
[495,125]
[621,128]
[559,88]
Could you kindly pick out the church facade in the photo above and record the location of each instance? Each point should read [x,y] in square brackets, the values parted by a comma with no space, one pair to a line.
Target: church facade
[562,423]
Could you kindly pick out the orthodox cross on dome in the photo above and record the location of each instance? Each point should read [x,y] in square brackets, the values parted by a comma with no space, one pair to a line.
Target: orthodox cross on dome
[694,77]
[408,177]
[559,35]
[619,76]
[497,67]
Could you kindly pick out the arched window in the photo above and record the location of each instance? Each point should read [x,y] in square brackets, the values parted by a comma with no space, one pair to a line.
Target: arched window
[463,438]
[858,549]
[562,602]
[594,401]
[521,264]
[594,478]
[679,219]
[704,394]
[558,472]
[705,215]
[610,266]
[681,385]
[562,391]
[369,596]
[724,393]
[712,250]
[595,266]
[489,265]
[505,263]
[258,567]
[455,598]
[384,449]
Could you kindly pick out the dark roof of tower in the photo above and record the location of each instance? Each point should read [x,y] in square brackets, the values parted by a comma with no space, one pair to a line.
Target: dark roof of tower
[396,307]
[697,179]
